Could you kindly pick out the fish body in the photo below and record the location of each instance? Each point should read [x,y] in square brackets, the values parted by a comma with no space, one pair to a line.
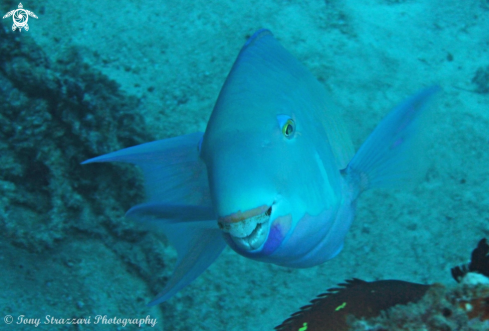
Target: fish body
[355,297]
[274,175]
[255,168]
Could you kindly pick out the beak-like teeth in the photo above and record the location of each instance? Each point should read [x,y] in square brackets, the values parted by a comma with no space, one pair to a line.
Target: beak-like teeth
[255,240]
[249,233]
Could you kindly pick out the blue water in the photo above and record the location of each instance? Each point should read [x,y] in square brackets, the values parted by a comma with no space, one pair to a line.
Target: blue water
[89,78]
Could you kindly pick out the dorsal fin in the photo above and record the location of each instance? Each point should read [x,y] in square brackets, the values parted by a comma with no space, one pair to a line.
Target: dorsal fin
[328,311]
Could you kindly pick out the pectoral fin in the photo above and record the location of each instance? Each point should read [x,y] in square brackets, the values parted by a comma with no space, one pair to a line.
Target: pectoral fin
[192,230]
[173,171]
[198,245]
[392,155]
[179,204]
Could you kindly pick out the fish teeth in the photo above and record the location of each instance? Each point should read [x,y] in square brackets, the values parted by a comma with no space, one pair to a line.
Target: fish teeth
[250,233]
[255,240]
[246,227]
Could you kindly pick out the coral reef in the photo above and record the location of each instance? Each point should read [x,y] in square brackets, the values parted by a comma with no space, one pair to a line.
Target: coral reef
[464,307]
[55,115]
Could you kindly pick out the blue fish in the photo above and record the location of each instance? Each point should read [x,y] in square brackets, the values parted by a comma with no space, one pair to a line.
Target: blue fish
[274,176]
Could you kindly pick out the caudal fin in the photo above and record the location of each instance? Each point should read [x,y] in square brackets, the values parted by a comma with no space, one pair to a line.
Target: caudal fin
[392,155]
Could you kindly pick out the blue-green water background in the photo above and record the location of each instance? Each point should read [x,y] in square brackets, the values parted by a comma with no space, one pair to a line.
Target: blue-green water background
[92,77]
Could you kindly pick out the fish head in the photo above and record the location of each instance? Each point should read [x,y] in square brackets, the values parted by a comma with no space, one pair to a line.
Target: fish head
[265,167]
[261,170]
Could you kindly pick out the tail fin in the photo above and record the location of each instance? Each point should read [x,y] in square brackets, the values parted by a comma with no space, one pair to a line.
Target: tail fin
[179,204]
[391,155]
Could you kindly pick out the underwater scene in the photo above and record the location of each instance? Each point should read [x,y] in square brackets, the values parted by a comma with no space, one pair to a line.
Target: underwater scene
[244,165]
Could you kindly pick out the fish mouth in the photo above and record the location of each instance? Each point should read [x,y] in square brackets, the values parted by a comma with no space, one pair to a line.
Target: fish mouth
[248,230]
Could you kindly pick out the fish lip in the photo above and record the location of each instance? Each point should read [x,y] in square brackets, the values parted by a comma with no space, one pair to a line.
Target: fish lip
[249,229]
[241,216]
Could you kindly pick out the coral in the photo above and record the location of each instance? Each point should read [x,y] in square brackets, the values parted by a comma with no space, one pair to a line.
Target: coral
[462,307]
[55,115]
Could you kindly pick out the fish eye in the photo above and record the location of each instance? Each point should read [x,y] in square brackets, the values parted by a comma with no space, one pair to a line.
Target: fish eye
[288,128]
[287,125]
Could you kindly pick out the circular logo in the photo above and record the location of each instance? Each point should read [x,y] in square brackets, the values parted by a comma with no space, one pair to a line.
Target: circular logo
[20,17]
[8,319]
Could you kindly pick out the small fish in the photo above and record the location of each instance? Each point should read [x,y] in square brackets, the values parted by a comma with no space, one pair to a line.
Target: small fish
[355,297]
[274,175]
[365,300]
[479,262]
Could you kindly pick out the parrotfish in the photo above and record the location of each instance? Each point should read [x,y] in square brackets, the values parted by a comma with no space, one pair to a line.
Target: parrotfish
[274,176]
